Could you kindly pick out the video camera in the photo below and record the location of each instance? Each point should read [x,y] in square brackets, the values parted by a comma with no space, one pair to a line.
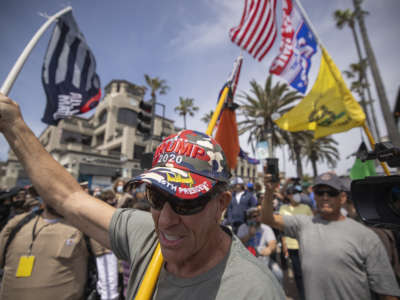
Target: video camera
[377,198]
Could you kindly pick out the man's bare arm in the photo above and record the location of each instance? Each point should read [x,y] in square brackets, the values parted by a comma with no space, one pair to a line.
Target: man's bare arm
[53,183]
[267,215]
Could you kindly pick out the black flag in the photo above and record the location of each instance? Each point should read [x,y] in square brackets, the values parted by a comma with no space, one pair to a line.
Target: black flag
[69,73]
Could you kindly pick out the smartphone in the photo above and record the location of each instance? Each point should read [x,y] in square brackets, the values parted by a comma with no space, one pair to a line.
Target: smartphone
[272,167]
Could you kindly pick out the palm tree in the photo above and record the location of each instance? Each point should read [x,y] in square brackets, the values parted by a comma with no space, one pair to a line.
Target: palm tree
[260,106]
[393,132]
[156,85]
[359,86]
[186,107]
[207,117]
[322,149]
[297,140]
[347,17]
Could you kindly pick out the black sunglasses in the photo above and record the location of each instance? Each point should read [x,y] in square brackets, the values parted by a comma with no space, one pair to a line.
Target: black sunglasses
[330,193]
[157,199]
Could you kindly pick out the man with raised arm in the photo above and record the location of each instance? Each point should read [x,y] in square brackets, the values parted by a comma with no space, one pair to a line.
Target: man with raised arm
[187,190]
[340,258]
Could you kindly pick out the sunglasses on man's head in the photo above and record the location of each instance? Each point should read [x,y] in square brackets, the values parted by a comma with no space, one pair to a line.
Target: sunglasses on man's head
[157,199]
[330,193]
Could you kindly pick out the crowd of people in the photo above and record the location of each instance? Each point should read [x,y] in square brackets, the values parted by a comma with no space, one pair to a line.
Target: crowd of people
[220,238]
[73,261]
[278,251]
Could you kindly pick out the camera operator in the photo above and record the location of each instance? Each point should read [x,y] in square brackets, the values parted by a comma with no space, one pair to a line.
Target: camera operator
[260,240]
[341,258]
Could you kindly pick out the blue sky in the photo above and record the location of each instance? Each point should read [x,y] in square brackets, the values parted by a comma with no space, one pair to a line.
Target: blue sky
[187,44]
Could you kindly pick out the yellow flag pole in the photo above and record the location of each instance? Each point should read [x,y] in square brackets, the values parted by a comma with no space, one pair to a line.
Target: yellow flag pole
[372,143]
[217,111]
[150,278]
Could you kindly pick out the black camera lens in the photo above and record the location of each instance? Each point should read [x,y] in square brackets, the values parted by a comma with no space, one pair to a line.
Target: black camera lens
[394,200]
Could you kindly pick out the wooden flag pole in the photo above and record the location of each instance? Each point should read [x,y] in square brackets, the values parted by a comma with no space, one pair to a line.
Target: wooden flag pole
[372,143]
[12,76]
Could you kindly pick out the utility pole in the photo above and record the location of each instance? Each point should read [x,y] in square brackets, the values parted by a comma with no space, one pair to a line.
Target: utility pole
[394,135]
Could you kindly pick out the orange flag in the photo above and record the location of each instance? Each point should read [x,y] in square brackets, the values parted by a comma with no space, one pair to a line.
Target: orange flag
[227,136]
[227,132]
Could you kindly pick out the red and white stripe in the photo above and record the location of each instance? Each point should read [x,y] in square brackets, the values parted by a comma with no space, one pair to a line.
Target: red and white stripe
[257,30]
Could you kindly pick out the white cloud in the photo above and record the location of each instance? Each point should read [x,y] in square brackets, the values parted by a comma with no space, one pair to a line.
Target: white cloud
[212,32]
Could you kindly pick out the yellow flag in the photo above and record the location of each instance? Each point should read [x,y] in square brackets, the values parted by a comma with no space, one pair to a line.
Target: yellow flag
[328,108]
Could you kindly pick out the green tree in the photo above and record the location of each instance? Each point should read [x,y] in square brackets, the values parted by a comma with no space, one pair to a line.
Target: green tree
[207,117]
[321,150]
[156,85]
[260,106]
[296,142]
[393,132]
[186,107]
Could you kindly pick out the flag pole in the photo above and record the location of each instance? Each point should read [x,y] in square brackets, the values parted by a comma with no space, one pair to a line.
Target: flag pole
[151,276]
[233,82]
[364,126]
[12,76]
[217,111]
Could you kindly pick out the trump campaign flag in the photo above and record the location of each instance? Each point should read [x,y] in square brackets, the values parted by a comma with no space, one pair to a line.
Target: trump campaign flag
[257,31]
[328,108]
[69,73]
[298,45]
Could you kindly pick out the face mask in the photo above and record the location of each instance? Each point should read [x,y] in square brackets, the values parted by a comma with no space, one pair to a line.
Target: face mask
[120,189]
[297,198]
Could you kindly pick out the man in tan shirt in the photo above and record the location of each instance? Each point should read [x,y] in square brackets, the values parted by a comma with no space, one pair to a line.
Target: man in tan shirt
[59,267]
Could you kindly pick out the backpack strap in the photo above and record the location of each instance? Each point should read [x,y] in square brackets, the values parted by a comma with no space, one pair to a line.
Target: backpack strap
[15,230]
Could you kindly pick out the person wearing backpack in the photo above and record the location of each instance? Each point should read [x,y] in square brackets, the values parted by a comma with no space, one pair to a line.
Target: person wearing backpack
[43,258]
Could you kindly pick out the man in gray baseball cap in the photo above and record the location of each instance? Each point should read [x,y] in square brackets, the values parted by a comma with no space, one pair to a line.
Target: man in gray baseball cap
[341,258]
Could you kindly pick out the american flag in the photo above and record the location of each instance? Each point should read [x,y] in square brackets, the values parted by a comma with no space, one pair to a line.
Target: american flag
[257,30]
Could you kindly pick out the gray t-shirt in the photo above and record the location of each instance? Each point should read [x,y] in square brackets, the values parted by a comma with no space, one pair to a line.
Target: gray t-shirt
[341,259]
[238,276]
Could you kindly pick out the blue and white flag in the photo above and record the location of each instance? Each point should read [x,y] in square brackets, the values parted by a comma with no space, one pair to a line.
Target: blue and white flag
[298,45]
[69,75]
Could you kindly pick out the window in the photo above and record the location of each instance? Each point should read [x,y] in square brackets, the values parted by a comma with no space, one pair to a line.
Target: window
[68,136]
[116,151]
[100,139]
[138,151]
[127,116]
[103,117]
